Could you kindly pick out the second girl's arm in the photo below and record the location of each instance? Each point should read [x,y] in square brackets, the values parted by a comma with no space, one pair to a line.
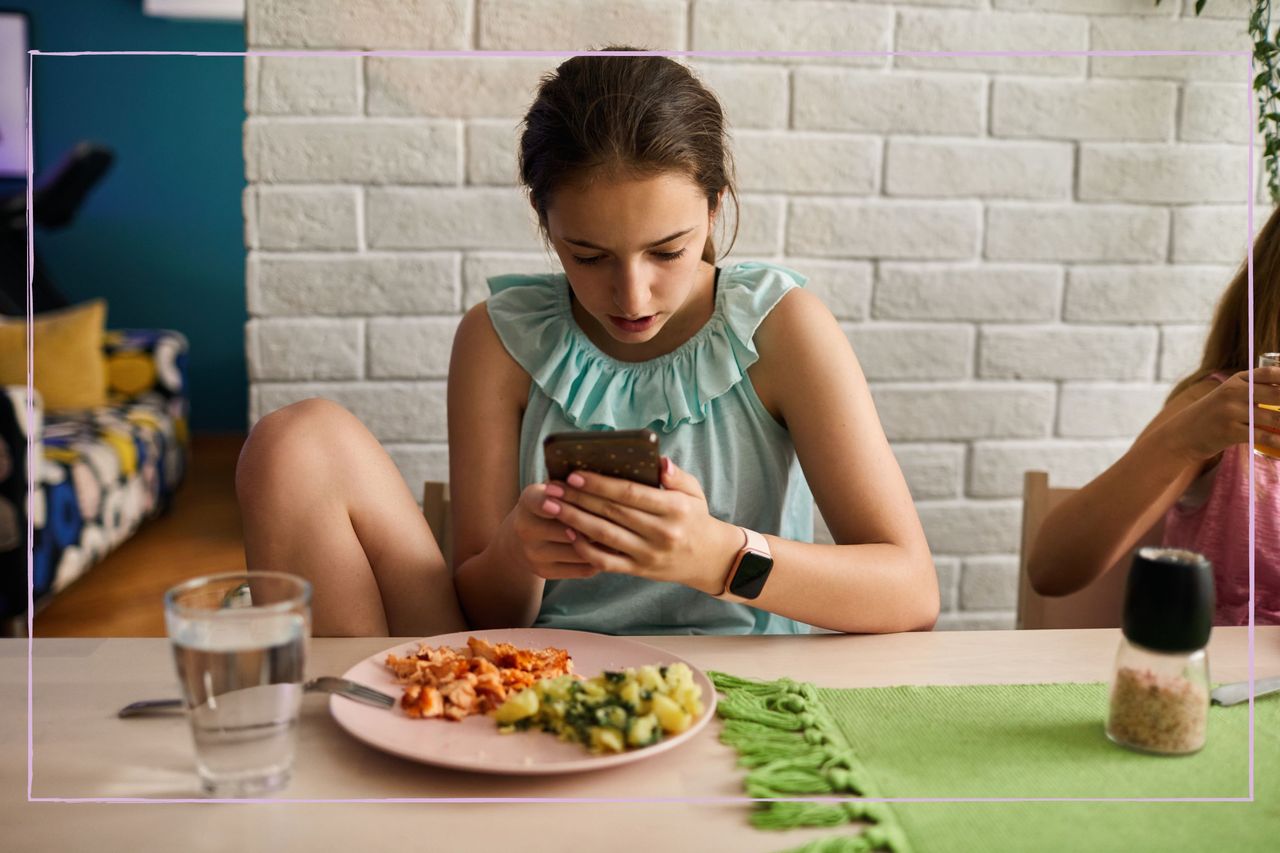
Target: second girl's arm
[487,394]
[881,577]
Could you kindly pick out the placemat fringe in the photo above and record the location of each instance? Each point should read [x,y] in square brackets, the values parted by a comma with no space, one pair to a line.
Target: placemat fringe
[781,731]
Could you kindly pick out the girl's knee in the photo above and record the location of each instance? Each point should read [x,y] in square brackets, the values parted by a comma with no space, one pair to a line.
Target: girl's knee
[301,435]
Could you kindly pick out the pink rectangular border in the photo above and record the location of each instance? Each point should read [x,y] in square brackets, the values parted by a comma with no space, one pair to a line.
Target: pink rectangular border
[31,54]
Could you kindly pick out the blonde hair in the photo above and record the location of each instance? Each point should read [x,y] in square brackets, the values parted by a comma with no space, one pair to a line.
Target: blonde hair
[1227,347]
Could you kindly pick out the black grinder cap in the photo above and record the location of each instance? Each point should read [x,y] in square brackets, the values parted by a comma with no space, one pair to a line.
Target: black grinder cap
[1168,600]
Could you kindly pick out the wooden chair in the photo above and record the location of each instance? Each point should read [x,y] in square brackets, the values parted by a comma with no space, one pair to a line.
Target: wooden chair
[1100,604]
[435,506]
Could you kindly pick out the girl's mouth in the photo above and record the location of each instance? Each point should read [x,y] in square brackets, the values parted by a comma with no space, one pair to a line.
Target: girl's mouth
[637,325]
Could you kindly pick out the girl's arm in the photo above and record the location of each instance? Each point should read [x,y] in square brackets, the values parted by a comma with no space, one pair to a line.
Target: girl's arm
[1093,528]
[504,541]
[880,576]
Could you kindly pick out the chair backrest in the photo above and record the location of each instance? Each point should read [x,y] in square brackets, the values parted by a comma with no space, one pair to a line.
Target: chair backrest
[1100,604]
[435,506]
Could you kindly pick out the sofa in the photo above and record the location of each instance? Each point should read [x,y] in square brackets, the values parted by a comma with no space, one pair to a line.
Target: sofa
[99,472]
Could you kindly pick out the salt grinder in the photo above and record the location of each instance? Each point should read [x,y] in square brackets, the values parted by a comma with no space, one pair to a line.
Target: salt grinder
[1159,692]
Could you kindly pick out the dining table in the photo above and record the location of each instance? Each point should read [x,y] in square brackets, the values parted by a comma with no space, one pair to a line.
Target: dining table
[75,776]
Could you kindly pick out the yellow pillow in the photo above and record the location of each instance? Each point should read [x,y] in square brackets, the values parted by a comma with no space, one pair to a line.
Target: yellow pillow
[70,369]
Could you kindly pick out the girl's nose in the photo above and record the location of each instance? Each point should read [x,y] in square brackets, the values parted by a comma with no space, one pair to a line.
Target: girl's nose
[631,293]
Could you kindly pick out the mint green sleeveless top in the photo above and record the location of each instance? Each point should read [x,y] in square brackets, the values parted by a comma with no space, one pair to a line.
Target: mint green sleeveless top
[699,400]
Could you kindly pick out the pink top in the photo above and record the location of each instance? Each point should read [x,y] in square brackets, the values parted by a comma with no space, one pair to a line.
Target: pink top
[1218,528]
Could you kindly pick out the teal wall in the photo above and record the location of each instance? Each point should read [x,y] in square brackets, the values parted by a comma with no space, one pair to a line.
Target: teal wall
[161,236]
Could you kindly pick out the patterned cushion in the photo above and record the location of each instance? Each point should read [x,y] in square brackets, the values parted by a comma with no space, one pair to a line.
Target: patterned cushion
[101,471]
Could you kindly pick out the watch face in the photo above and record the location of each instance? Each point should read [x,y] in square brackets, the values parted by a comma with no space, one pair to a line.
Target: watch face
[753,571]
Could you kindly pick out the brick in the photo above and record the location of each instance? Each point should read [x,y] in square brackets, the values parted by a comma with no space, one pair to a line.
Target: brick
[932,471]
[956,411]
[879,229]
[392,411]
[934,31]
[454,86]
[895,351]
[1044,232]
[799,25]
[491,153]
[948,571]
[410,24]
[942,169]
[1108,410]
[252,65]
[1067,352]
[989,583]
[1132,294]
[754,95]
[1119,34]
[279,285]
[759,228]
[971,527]
[420,463]
[984,621]
[1181,348]
[369,152]
[1190,174]
[986,293]
[407,218]
[1238,10]
[479,267]
[306,349]
[249,209]
[1128,110]
[1216,234]
[1217,112]
[996,467]
[1091,7]
[845,99]
[806,162]
[843,286]
[410,347]
[319,218]
[580,24]
[322,85]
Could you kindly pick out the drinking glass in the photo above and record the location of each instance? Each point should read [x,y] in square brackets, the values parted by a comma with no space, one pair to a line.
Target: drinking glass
[1268,359]
[240,647]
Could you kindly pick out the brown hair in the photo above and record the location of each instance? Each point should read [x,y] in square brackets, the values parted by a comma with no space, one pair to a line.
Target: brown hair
[1227,347]
[628,115]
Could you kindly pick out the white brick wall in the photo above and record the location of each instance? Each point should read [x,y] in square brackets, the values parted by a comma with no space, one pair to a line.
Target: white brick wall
[1023,251]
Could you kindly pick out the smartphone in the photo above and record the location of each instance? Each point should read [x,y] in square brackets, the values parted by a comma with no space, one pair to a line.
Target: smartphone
[631,454]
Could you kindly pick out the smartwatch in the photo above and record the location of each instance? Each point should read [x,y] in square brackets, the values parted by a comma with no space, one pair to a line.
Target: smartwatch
[751,567]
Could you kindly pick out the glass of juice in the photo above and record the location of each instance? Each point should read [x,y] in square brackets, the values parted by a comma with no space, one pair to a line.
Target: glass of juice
[240,646]
[1268,359]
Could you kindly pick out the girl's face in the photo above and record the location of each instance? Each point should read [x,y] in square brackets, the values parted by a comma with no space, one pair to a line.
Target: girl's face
[631,249]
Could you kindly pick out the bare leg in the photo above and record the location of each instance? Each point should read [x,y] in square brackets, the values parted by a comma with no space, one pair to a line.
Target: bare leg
[320,498]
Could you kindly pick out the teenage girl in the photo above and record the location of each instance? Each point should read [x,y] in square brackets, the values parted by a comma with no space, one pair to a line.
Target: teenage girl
[1189,469]
[756,395]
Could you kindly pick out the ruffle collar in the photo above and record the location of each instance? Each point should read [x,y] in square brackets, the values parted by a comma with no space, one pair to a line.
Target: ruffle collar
[532,316]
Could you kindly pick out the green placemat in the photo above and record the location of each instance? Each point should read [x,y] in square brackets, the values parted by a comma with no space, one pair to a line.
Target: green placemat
[1018,740]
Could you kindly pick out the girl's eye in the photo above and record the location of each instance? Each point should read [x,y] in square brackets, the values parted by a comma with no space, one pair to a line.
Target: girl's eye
[586,262]
[669,256]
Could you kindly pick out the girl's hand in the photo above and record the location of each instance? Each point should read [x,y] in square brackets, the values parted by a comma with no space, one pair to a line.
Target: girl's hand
[660,534]
[539,542]
[1220,418]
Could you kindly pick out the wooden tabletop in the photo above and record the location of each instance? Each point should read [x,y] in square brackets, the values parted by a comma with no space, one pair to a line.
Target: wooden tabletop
[81,750]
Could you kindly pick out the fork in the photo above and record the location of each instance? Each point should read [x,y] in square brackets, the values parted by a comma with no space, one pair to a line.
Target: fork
[323,684]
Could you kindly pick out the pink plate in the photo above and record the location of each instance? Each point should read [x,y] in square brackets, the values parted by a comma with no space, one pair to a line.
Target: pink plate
[474,743]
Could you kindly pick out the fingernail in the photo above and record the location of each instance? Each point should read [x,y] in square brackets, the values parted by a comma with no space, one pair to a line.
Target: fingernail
[570,535]
[550,507]
[555,491]
[577,480]
[666,464]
